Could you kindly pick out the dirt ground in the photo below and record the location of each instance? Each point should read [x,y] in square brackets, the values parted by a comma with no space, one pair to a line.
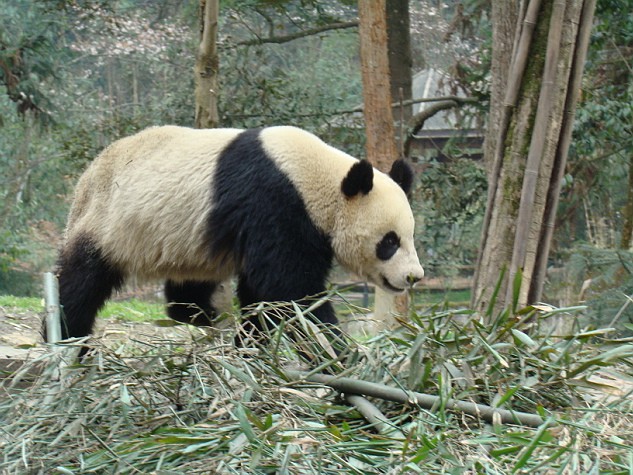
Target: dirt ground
[20,332]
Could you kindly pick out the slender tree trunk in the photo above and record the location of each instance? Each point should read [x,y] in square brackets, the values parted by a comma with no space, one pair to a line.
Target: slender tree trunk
[381,145]
[110,80]
[400,63]
[400,79]
[526,142]
[560,159]
[135,96]
[627,227]
[206,68]
[18,173]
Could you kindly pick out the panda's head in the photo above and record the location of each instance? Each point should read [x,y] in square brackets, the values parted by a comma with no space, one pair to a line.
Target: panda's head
[373,235]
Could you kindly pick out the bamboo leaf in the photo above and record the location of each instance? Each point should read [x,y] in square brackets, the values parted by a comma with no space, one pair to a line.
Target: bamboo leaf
[520,337]
[125,395]
[238,373]
[245,424]
[540,436]
[495,294]
[506,397]
[492,351]
[497,453]
[516,289]
[64,471]
[604,359]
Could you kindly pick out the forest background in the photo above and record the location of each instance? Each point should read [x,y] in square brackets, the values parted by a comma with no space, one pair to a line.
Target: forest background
[76,75]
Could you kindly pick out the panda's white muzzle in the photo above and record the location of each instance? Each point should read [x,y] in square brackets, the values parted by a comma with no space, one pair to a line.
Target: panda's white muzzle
[401,282]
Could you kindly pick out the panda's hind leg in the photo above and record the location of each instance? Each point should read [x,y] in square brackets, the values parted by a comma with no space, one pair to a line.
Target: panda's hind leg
[86,281]
[190,302]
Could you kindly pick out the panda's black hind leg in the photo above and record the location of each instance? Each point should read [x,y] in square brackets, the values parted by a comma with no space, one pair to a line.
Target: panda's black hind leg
[86,281]
[190,302]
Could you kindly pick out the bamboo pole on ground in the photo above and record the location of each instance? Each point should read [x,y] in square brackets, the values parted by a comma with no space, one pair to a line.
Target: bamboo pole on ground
[374,416]
[427,401]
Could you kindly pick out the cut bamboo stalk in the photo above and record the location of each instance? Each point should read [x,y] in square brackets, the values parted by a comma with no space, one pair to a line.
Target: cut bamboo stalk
[519,60]
[51,301]
[374,416]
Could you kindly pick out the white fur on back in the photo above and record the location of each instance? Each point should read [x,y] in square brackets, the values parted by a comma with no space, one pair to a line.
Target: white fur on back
[145,200]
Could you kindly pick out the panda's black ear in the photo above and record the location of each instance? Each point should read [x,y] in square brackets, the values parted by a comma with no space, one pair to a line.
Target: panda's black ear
[402,174]
[359,179]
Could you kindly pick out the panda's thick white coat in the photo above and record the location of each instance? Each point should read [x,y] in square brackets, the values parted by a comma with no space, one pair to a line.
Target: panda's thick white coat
[145,200]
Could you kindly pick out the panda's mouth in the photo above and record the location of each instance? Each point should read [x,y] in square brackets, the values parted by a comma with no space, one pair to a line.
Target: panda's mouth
[388,285]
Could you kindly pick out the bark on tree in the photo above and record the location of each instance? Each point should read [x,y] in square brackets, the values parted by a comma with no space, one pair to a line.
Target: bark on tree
[627,226]
[206,68]
[527,140]
[560,158]
[381,146]
[400,61]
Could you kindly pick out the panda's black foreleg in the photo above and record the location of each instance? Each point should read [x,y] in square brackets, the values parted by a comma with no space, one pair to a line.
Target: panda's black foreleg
[190,302]
[256,327]
[252,326]
[86,281]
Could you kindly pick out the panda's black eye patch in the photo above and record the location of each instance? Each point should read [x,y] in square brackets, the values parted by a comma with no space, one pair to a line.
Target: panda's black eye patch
[387,246]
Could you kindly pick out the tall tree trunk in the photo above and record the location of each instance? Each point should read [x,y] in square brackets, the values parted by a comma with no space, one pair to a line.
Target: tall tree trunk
[381,145]
[110,81]
[206,68]
[560,158]
[400,62]
[523,142]
[17,173]
[135,95]
[627,226]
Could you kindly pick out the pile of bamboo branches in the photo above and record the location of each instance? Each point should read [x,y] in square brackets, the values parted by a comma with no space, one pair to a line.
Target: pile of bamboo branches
[441,393]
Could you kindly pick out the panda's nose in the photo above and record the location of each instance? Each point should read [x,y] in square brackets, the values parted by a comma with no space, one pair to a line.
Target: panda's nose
[413,279]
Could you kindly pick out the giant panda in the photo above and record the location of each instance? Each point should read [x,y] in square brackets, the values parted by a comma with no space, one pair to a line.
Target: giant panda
[272,206]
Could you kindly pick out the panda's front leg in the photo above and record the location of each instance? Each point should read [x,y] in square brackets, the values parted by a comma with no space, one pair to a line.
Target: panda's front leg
[190,301]
[257,326]
[253,327]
